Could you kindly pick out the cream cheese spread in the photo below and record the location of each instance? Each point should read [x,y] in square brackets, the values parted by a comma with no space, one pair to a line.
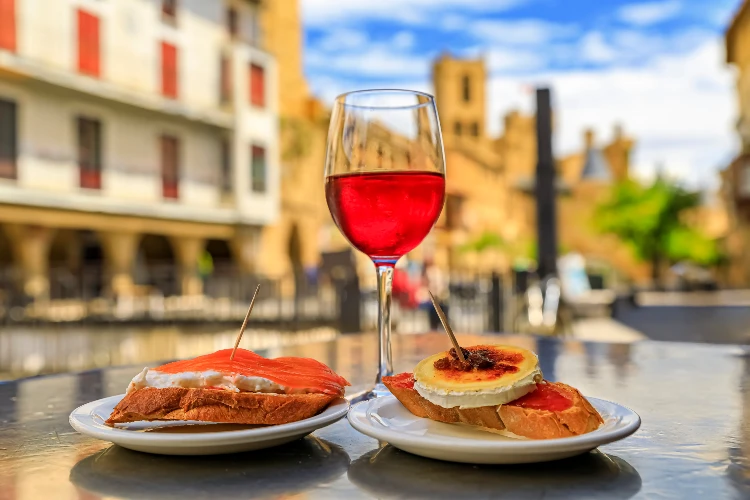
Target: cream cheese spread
[210,378]
[483,397]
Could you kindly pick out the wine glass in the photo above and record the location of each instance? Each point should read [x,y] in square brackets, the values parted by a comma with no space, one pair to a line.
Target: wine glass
[385,184]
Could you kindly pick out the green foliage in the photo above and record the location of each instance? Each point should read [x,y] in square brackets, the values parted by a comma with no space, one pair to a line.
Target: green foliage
[650,219]
[487,240]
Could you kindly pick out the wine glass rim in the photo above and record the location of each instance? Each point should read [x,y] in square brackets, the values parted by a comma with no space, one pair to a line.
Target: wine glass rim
[341,98]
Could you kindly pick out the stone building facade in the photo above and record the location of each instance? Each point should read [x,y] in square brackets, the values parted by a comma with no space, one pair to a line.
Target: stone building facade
[134,134]
[736,177]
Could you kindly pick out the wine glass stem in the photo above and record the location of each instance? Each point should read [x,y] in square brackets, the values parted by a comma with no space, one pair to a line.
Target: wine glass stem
[385,282]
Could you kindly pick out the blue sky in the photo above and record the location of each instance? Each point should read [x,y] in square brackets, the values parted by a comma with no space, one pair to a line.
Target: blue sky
[656,67]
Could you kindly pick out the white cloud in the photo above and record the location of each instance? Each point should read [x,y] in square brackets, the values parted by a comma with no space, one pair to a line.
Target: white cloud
[513,60]
[645,14]
[374,62]
[595,49]
[679,108]
[403,40]
[323,13]
[346,39]
[519,32]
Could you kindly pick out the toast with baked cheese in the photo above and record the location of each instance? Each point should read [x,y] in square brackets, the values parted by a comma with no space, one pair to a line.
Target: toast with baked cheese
[495,388]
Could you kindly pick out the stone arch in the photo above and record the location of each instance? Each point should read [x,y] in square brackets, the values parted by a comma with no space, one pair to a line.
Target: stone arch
[220,270]
[220,252]
[156,265]
[8,279]
[76,265]
[294,249]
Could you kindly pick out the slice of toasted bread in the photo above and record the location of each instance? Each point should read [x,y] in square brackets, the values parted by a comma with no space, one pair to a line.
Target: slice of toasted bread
[210,405]
[580,418]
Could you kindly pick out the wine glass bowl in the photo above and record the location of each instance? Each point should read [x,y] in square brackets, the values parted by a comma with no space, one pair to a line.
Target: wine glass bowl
[385,183]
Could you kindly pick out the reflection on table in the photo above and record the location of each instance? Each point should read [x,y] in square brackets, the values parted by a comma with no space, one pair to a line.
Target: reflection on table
[694,441]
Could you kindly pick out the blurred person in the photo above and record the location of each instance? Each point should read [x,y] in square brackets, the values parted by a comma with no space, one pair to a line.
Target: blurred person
[404,290]
[205,267]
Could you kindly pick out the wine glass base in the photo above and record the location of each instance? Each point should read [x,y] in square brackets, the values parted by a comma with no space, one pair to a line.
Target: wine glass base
[379,391]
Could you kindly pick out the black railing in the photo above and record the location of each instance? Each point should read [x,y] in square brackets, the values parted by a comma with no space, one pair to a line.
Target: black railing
[476,303]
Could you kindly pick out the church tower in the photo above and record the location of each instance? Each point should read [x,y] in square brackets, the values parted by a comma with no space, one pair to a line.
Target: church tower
[460,95]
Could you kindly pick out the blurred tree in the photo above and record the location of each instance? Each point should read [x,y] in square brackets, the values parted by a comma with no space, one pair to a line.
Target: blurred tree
[651,220]
[485,241]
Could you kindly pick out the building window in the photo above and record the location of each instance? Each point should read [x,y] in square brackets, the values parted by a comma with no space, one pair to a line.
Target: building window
[255,29]
[169,11]
[258,170]
[169,70]
[90,153]
[457,128]
[233,25]
[226,167]
[88,43]
[466,88]
[475,129]
[8,139]
[8,24]
[170,166]
[257,85]
[225,83]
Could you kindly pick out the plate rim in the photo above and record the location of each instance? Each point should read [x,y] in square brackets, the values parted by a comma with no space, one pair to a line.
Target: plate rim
[448,443]
[335,411]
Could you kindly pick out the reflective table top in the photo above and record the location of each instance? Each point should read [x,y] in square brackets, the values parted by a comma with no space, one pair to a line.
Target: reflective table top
[694,442]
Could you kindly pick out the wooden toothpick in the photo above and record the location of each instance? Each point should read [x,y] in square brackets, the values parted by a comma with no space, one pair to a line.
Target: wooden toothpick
[447,327]
[244,323]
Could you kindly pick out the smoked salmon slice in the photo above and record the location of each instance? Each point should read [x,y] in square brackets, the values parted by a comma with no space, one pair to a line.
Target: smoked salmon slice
[291,372]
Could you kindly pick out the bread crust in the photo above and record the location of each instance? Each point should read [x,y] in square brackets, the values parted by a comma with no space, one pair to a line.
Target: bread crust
[221,406]
[580,418]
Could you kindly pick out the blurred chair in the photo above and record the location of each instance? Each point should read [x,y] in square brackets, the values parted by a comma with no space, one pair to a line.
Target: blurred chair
[576,290]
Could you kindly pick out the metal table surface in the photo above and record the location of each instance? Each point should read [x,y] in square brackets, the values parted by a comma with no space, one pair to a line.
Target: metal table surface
[694,442]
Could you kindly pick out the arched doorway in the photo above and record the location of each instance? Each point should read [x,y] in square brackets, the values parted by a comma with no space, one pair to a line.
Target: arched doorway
[302,286]
[218,269]
[76,265]
[295,250]
[8,271]
[156,266]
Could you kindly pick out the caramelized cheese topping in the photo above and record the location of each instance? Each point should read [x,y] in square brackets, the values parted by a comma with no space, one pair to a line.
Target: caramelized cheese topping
[480,358]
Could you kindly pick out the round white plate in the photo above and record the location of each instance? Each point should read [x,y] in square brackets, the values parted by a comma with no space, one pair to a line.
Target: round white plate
[194,438]
[386,419]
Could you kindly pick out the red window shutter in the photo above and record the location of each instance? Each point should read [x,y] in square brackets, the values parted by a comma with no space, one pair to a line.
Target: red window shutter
[8,24]
[170,166]
[169,70]
[88,43]
[257,86]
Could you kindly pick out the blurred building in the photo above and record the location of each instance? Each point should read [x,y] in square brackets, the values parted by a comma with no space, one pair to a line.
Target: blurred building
[736,177]
[135,135]
[293,243]
[491,182]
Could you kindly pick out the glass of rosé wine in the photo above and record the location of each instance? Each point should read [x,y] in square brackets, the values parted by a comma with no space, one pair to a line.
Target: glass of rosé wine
[385,184]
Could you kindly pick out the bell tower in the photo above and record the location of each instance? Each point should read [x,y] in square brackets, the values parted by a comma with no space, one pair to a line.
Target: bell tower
[460,95]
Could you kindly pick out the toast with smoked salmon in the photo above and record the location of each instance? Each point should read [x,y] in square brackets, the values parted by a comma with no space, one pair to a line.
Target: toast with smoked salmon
[250,389]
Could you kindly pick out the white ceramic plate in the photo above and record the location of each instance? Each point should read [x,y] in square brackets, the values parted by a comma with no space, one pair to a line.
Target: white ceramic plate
[386,419]
[191,437]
